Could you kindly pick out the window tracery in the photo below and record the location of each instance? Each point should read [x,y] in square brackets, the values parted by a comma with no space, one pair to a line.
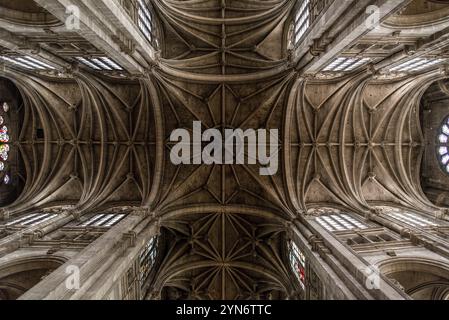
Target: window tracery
[147,259]
[443,145]
[298,263]
[4,144]
[147,23]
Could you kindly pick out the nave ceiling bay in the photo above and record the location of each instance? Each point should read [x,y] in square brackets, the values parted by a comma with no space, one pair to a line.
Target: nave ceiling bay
[346,142]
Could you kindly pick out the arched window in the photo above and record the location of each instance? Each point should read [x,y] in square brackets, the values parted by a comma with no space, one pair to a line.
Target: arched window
[443,145]
[301,22]
[147,23]
[19,275]
[4,144]
[147,259]
[298,263]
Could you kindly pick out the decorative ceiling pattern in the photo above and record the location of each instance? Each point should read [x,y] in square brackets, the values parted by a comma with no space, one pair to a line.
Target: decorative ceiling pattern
[353,141]
[224,37]
[211,47]
[98,147]
[224,254]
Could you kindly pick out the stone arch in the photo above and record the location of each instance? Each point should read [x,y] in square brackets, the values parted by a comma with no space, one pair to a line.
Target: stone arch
[26,14]
[421,279]
[20,275]
[425,14]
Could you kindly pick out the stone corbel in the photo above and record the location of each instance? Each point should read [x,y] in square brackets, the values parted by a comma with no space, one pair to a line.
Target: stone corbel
[76,214]
[316,49]
[410,50]
[371,69]
[155,295]
[406,233]
[396,34]
[73,69]
[444,70]
[323,251]
[129,49]
[298,76]
[442,213]
[39,234]
[29,237]
[143,212]
[374,212]
[49,31]
[397,284]
[316,243]
[311,214]
[73,107]
[126,45]
[158,225]
[443,87]
[53,250]
[415,238]
[431,245]
[52,210]
[4,214]
[150,71]
[369,214]
[26,45]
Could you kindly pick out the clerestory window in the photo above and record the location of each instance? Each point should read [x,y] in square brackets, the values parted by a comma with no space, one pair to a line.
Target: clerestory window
[301,21]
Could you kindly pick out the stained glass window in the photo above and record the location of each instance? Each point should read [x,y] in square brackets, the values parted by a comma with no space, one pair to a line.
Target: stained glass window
[298,263]
[443,145]
[4,134]
[146,260]
[4,144]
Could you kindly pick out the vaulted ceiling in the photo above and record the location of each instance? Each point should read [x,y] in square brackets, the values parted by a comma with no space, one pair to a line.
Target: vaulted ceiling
[350,140]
